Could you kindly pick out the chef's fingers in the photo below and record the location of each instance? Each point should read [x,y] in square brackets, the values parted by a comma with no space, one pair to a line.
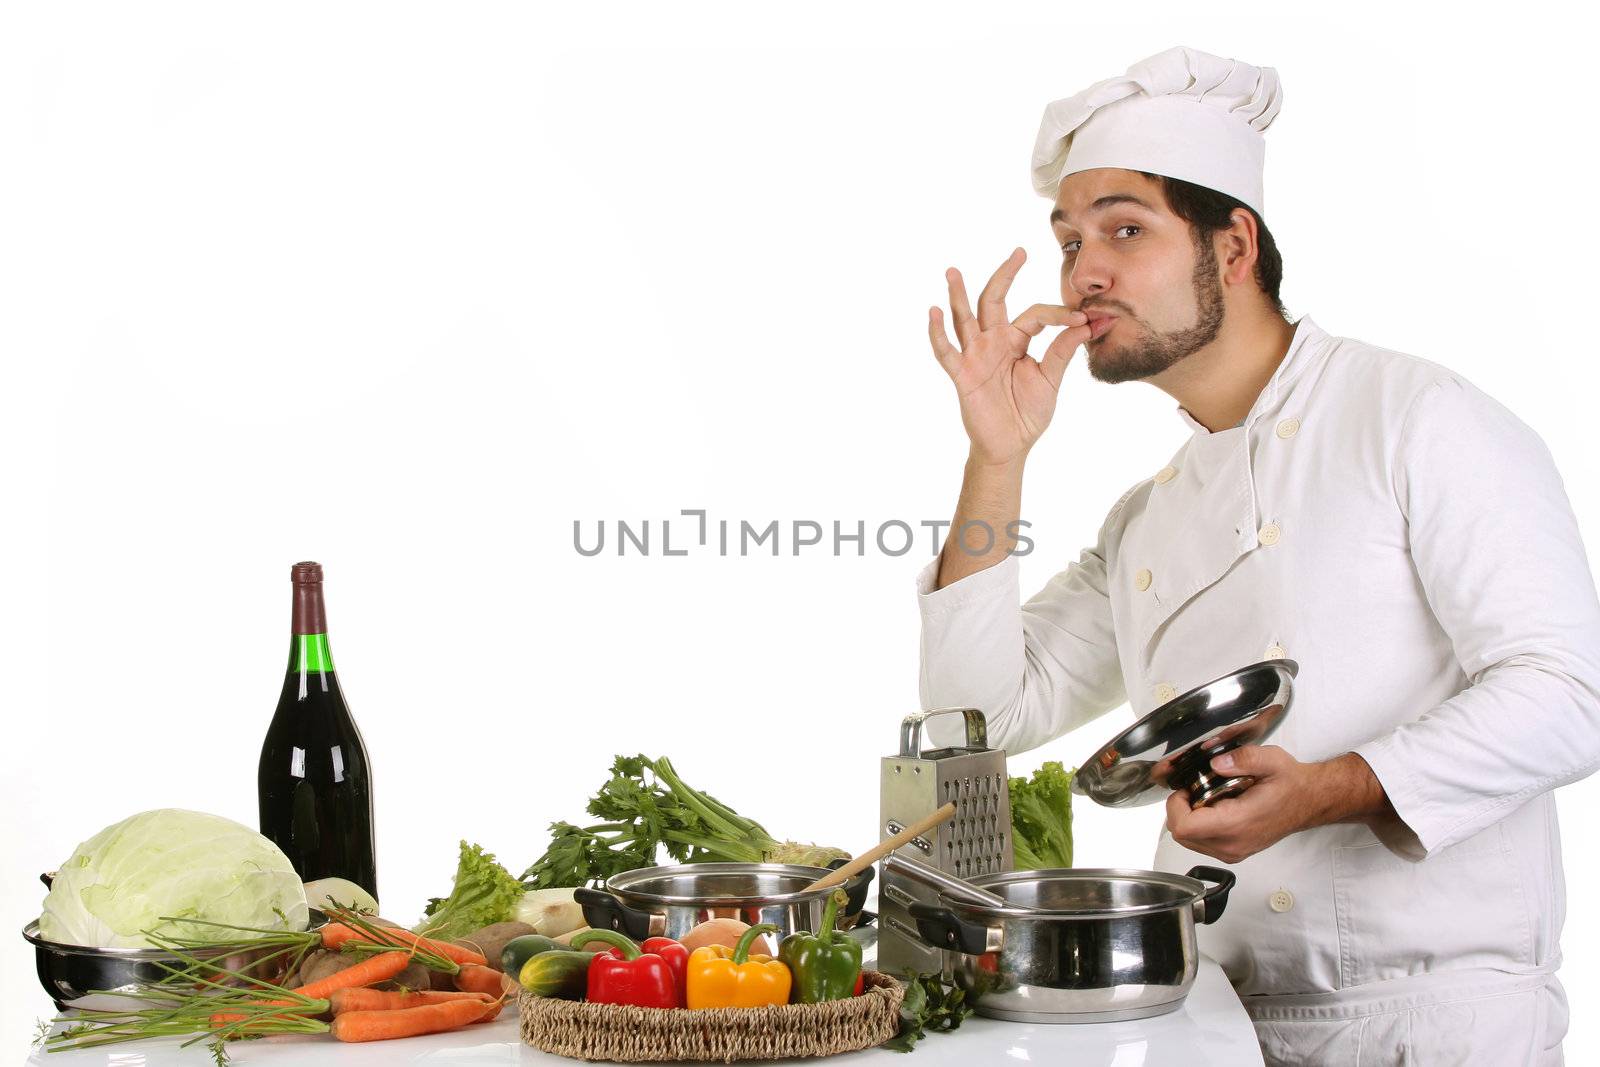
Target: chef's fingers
[1259,761]
[992,301]
[1060,353]
[1033,321]
[946,353]
[1218,819]
[960,311]
[1178,811]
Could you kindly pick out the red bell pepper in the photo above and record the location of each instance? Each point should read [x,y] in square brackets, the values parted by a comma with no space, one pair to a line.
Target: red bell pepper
[642,979]
[674,952]
[677,957]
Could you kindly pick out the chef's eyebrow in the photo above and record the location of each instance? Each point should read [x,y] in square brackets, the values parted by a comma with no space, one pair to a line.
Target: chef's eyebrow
[1101,204]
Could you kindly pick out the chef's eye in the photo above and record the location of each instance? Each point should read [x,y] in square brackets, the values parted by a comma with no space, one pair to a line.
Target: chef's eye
[1069,249]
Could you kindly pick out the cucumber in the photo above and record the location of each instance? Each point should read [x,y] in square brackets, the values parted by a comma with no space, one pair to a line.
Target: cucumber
[519,949]
[561,973]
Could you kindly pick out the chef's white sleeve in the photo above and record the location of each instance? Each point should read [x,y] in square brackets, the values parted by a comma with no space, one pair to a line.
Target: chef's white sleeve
[1498,553]
[1035,671]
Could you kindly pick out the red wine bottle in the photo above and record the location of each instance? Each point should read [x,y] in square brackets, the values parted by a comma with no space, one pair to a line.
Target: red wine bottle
[314,782]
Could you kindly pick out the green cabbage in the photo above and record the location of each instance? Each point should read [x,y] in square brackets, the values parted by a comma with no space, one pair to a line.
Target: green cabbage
[177,863]
[1041,818]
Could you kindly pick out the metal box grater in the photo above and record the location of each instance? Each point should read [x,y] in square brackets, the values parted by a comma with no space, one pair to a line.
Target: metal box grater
[976,841]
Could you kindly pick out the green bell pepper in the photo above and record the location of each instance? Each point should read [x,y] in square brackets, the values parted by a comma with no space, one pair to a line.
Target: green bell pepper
[825,964]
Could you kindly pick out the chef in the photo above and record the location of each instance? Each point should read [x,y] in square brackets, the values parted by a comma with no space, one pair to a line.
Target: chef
[1370,514]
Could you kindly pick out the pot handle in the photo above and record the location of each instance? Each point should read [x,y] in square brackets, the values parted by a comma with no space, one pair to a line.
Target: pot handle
[943,928]
[603,911]
[858,895]
[1211,905]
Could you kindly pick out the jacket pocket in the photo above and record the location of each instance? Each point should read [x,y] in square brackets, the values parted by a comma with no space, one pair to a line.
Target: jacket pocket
[1463,906]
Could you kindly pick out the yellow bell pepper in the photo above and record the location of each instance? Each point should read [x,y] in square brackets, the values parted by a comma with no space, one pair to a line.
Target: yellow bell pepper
[719,977]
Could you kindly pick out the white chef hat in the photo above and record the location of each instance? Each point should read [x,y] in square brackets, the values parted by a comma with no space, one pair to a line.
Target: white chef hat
[1183,113]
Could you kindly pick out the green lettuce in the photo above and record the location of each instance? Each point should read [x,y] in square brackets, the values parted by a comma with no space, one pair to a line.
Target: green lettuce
[484,893]
[1041,818]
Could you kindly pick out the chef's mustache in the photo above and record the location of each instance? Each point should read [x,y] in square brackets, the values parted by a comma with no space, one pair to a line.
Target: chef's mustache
[694,532]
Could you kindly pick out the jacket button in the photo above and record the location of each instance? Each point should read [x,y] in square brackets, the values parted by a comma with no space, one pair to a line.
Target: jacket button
[1268,534]
[1276,652]
[1288,428]
[1165,475]
[1281,901]
[1141,581]
[1164,693]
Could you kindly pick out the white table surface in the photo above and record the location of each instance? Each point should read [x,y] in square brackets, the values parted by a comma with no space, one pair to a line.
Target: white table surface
[1211,1028]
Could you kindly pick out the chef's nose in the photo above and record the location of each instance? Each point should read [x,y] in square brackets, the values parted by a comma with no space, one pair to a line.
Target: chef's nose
[1090,273]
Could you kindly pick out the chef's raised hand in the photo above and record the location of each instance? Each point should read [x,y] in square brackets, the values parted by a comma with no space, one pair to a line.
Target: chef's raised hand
[1007,397]
[1287,797]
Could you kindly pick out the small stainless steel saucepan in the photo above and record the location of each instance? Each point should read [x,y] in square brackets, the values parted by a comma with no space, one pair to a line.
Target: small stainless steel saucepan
[671,901]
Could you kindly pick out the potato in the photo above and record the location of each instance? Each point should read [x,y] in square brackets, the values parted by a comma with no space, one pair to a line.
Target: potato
[415,976]
[320,963]
[491,940]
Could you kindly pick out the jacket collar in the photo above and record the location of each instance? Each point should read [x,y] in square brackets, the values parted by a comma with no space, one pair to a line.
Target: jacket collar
[1302,347]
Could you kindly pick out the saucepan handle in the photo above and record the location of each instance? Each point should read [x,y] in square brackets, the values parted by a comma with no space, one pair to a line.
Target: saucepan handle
[603,911]
[858,894]
[1209,908]
[943,928]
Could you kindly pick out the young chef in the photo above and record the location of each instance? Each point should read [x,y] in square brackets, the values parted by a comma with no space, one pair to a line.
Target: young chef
[1372,515]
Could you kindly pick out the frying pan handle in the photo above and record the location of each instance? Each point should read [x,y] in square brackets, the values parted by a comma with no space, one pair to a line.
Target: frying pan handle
[943,928]
[603,911]
[1209,907]
[911,729]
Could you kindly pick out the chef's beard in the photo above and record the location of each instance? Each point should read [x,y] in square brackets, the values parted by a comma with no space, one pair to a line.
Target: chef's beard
[1157,351]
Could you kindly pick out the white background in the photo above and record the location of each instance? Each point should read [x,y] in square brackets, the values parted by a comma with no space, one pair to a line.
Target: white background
[408,289]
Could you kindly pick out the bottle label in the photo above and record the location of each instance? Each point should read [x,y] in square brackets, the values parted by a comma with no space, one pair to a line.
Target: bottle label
[312,654]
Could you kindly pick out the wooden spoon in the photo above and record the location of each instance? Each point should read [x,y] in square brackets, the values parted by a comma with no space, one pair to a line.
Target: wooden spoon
[882,849]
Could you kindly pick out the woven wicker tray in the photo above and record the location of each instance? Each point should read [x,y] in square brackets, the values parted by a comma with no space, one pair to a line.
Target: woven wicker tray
[717,1035]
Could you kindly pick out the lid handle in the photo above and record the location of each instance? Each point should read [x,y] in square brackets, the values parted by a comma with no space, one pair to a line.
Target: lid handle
[911,729]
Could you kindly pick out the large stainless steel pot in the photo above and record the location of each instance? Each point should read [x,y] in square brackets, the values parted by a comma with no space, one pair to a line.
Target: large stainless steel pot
[671,901]
[1077,944]
[79,976]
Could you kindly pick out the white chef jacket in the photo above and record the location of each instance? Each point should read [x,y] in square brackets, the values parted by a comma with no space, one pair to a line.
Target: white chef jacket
[1408,541]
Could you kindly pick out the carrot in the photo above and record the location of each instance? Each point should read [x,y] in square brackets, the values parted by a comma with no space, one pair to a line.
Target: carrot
[494,1010]
[407,1022]
[380,968]
[336,935]
[474,979]
[224,1018]
[378,1000]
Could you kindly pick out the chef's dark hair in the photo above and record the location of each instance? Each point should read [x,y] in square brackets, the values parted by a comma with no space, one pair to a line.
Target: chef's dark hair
[1207,211]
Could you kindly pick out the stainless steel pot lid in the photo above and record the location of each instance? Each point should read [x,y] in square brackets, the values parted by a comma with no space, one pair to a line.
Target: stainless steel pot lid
[720,884]
[1171,748]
